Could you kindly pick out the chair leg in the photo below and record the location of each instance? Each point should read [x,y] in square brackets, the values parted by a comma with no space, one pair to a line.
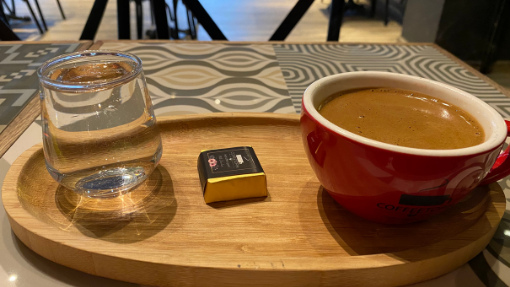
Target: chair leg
[6,34]
[3,17]
[33,16]
[290,21]
[139,19]
[176,23]
[169,11]
[12,12]
[161,19]
[386,13]
[373,7]
[205,19]
[123,16]
[152,12]
[40,14]
[173,19]
[3,4]
[335,20]
[191,24]
[94,19]
[194,22]
[61,10]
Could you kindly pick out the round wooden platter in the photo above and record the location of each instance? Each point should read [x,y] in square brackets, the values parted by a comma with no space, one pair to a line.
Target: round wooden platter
[164,234]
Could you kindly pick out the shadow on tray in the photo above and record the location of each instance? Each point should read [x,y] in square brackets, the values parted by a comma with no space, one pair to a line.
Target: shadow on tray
[358,236]
[128,218]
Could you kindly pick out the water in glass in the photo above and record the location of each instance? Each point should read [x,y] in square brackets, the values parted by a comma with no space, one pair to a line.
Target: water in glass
[99,130]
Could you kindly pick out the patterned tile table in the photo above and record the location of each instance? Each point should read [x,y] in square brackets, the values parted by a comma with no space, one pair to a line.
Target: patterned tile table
[223,77]
[204,78]
[18,77]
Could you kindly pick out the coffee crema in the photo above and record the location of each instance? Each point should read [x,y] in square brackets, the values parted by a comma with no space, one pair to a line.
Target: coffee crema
[403,118]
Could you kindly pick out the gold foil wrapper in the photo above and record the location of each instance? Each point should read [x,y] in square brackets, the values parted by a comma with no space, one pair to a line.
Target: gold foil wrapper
[230,174]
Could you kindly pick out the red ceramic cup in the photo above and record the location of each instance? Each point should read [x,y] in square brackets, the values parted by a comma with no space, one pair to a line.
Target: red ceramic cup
[393,184]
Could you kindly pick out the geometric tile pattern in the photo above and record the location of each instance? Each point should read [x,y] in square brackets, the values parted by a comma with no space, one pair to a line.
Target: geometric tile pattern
[203,78]
[18,77]
[303,64]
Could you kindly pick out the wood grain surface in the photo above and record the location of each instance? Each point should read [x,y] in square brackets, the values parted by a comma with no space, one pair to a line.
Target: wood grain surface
[31,111]
[163,234]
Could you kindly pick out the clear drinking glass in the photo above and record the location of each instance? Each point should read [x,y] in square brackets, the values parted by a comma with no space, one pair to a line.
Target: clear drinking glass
[99,130]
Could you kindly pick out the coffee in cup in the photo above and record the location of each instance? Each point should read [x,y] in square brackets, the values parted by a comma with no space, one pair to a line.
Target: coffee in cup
[403,118]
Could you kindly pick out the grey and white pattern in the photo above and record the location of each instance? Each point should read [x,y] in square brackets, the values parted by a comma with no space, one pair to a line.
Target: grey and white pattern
[204,78]
[18,77]
[303,64]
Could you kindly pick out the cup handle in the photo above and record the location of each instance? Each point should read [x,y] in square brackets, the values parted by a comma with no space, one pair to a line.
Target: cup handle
[501,167]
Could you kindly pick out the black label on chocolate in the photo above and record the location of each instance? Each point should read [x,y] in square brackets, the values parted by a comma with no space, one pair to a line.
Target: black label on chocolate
[230,161]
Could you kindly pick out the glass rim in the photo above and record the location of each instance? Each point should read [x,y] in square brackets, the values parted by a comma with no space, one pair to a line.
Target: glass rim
[89,85]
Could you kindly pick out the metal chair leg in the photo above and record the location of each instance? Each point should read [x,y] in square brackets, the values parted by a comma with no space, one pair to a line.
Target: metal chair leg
[4,5]
[12,12]
[169,11]
[61,10]
[3,17]
[176,23]
[205,19]
[94,19]
[174,33]
[191,24]
[40,14]
[289,22]
[6,34]
[33,16]
[373,8]
[386,13]
[152,12]
[335,20]
[194,22]
[161,19]
[139,19]
[123,16]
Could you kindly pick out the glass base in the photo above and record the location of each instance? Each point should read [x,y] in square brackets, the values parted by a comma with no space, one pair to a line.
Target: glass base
[111,182]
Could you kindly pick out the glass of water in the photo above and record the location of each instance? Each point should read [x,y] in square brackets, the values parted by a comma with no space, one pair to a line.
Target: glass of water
[99,130]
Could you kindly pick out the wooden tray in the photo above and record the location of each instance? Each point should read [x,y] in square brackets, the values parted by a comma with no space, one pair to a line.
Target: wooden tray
[164,234]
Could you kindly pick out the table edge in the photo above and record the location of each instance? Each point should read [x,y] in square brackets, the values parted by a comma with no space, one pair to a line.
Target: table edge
[101,42]
[47,42]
